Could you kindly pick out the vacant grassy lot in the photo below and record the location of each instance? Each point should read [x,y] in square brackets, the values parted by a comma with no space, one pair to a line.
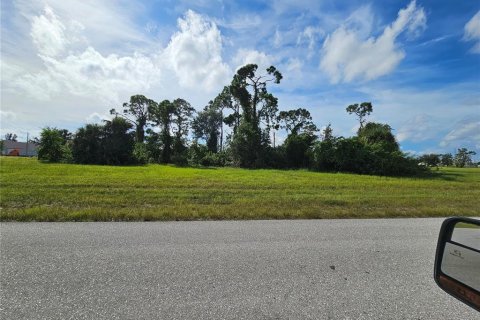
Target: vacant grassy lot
[31,190]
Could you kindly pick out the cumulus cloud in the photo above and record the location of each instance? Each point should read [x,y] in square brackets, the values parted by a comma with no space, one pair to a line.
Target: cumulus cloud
[90,73]
[348,56]
[96,117]
[195,52]
[103,23]
[472,32]
[193,57]
[48,33]
[466,133]
[245,56]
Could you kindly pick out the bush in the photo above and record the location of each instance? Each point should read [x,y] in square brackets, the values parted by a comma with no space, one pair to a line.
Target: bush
[140,153]
[179,159]
[86,148]
[111,144]
[351,155]
[247,147]
[52,146]
[212,159]
[324,156]
[198,155]
[117,143]
[195,153]
[297,147]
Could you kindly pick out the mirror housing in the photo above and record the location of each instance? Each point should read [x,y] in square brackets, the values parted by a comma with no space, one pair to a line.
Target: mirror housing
[457,260]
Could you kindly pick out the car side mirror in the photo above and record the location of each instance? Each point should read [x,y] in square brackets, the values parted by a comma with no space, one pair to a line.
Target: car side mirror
[457,261]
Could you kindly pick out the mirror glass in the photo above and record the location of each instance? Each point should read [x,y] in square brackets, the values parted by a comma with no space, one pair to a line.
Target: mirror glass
[467,234]
[461,257]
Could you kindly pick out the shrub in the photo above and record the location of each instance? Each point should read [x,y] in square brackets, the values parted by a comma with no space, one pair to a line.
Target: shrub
[351,155]
[297,147]
[140,153]
[52,146]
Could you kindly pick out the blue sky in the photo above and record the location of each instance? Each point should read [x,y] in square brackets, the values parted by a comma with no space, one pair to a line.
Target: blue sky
[66,63]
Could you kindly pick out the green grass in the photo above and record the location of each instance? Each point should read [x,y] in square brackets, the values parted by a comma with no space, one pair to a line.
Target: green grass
[35,191]
[466,225]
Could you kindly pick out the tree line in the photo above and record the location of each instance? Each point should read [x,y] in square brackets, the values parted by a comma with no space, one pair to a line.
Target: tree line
[237,128]
[461,159]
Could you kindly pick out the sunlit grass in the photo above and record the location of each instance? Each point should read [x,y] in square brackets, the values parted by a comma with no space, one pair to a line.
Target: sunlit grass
[35,191]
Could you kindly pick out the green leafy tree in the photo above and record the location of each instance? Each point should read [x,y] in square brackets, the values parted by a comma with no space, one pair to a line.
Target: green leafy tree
[182,117]
[431,160]
[11,137]
[117,142]
[140,153]
[327,133]
[463,157]
[52,145]
[297,149]
[353,155]
[111,143]
[447,159]
[301,137]
[154,146]
[247,148]
[162,116]
[67,136]
[207,125]
[379,135]
[196,152]
[229,109]
[297,121]
[250,91]
[324,156]
[268,115]
[136,112]
[87,144]
[362,110]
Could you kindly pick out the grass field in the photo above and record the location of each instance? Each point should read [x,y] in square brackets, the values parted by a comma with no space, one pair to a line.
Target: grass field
[34,191]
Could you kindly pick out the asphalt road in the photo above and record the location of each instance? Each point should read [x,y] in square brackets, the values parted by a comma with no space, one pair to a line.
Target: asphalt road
[304,269]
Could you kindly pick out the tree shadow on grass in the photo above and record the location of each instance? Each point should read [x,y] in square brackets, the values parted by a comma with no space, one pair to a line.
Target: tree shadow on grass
[205,168]
[439,175]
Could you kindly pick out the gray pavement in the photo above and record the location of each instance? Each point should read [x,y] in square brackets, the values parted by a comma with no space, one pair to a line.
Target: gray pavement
[304,269]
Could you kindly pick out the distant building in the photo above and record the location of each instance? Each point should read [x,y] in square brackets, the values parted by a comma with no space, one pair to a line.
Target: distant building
[24,149]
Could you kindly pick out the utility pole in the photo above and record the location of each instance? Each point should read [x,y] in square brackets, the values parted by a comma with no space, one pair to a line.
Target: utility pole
[221,129]
[26,149]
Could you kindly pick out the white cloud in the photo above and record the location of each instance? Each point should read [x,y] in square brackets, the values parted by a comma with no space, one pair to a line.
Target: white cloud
[277,39]
[193,56]
[472,32]
[195,53]
[416,129]
[310,35]
[241,22]
[361,20]
[294,65]
[90,73]
[103,23]
[245,56]
[48,33]
[96,117]
[347,56]
[7,115]
[466,133]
